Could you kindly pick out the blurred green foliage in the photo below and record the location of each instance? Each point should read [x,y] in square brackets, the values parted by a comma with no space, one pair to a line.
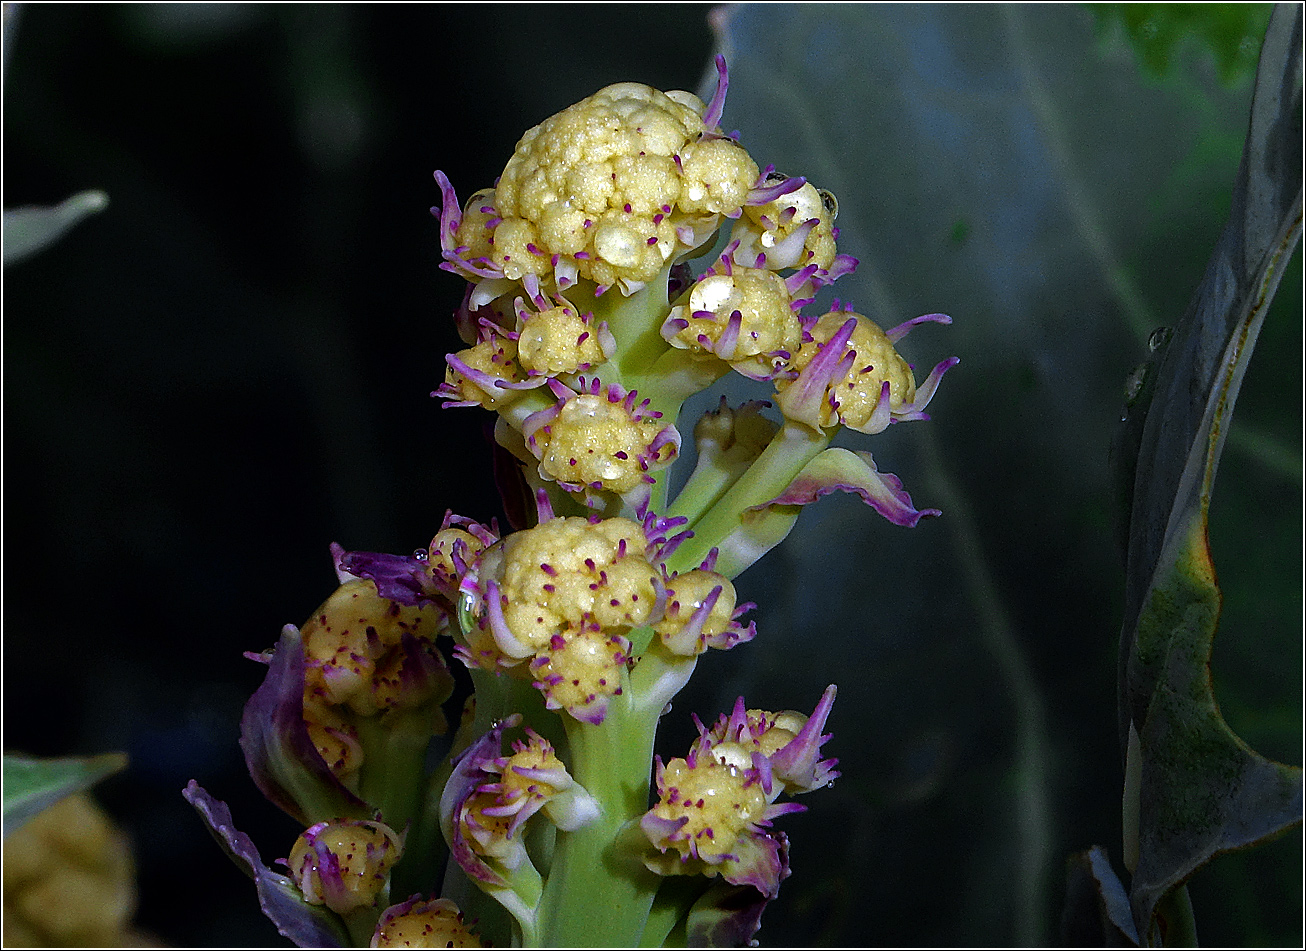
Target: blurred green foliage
[1157,31]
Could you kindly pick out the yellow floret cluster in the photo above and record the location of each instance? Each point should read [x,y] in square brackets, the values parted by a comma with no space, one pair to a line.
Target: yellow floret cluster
[69,879]
[766,321]
[566,571]
[719,803]
[611,189]
[356,665]
[852,399]
[774,231]
[352,648]
[592,440]
[558,340]
[425,924]
[686,594]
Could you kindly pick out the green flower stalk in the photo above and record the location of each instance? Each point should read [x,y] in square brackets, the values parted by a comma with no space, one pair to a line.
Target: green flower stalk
[586,329]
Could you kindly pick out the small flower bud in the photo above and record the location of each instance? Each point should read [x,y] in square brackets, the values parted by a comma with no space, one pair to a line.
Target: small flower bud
[561,574]
[371,654]
[485,375]
[581,671]
[711,805]
[344,864]
[424,924]
[558,340]
[793,231]
[700,613]
[742,315]
[600,439]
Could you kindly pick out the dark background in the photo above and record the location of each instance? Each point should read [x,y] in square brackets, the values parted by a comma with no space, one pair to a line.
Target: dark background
[229,369]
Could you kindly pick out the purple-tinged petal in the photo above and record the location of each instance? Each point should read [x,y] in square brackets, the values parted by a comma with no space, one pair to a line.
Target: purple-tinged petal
[796,764]
[308,926]
[900,331]
[789,250]
[925,392]
[712,115]
[282,760]
[760,860]
[805,399]
[844,471]
[404,579]
[469,775]
[763,193]
[450,211]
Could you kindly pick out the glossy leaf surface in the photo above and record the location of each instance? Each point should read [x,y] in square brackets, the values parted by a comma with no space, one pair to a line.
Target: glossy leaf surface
[1202,790]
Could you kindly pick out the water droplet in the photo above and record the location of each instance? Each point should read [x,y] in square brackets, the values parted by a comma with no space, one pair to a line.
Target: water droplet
[419,554]
[1158,339]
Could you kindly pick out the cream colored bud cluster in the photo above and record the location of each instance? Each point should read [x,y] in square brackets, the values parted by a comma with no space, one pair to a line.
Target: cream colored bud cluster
[520,345]
[556,603]
[715,805]
[366,655]
[793,231]
[530,779]
[599,439]
[611,190]
[745,316]
[848,372]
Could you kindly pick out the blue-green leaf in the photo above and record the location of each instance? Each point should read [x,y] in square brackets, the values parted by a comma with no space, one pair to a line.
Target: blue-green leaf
[31,784]
[1200,789]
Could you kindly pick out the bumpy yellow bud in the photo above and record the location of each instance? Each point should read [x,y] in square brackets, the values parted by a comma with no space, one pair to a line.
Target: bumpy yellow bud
[557,340]
[581,671]
[471,376]
[567,570]
[612,190]
[716,176]
[68,879]
[742,317]
[853,397]
[345,864]
[474,232]
[600,439]
[424,924]
[686,595]
[793,231]
[353,646]
[719,803]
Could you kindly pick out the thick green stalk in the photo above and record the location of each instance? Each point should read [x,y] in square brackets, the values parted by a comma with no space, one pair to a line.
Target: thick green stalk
[792,448]
[599,890]
[394,764]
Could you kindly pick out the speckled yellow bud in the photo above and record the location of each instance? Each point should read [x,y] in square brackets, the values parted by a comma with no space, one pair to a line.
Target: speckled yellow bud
[345,864]
[424,924]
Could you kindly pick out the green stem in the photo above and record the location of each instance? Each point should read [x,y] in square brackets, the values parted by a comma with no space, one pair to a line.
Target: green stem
[599,890]
[361,923]
[425,854]
[792,448]
[394,763]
